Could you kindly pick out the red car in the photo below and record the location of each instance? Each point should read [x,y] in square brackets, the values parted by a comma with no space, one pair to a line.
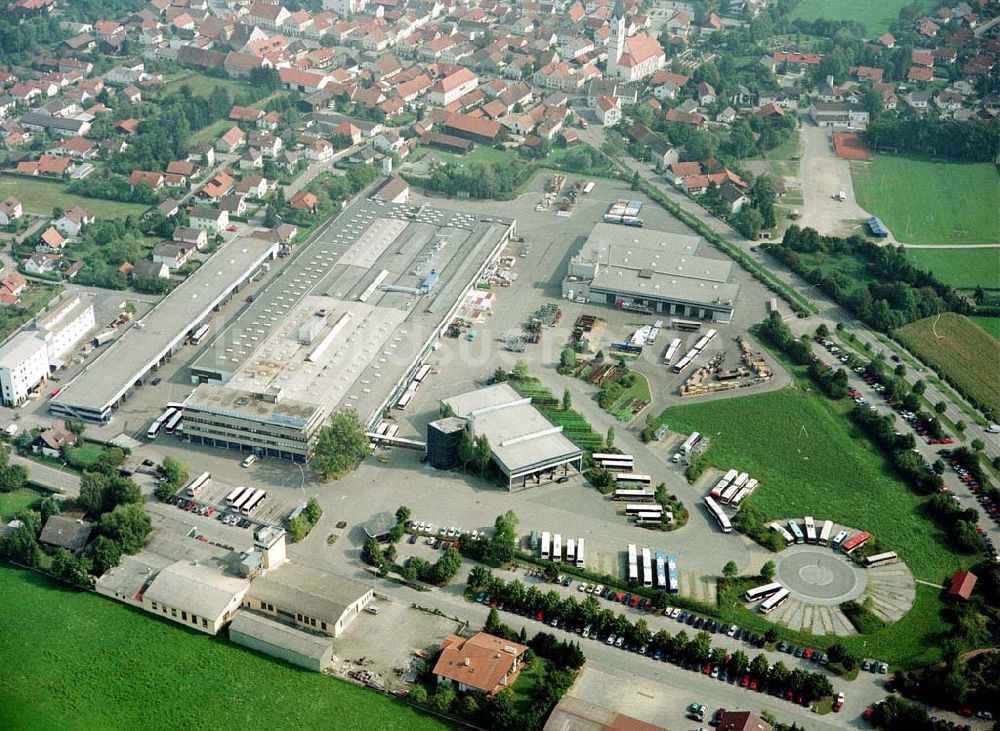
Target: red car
[634,601]
[964,712]
[869,712]
[754,685]
[539,616]
[707,668]
[230,228]
[745,682]
[807,654]
[947,440]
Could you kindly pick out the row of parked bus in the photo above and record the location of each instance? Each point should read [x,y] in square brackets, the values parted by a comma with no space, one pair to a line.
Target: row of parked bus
[169,421]
[658,570]
[408,394]
[843,541]
[551,549]
[733,488]
[694,352]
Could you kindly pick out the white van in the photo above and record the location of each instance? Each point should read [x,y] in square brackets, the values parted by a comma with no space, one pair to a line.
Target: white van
[249,460]
[10,430]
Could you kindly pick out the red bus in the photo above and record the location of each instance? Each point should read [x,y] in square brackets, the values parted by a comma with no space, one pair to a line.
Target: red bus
[855,542]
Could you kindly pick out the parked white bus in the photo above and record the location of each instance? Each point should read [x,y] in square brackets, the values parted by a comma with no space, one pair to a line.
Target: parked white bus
[810,530]
[671,351]
[839,539]
[253,503]
[744,493]
[570,551]
[774,601]
[648,518]
[629,478]
[796,531]
[636,508]
[404,400]
[618,465]
[689,443]
[826,532]
[729,493]
[720,517]
[194,487]
[557,547]
[171,425]
[780,530]
[235,495]
[640,496]
[546,537]
[422,374]
[154,429]
[647,567]
[243,499]
[580,554]
[608,457]
[633,563]
[761,592]
[881,558]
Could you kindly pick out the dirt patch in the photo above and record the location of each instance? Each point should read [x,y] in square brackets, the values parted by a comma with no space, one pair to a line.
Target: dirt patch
[850,146]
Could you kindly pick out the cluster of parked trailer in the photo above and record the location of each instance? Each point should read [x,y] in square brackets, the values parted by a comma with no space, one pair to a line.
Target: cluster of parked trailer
[844,541]
[625,212]
[733,488]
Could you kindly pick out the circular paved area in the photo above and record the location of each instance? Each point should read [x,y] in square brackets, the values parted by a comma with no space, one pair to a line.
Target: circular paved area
[818,575]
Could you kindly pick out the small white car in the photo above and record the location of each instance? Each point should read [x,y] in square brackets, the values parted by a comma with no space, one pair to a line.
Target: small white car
[249,460]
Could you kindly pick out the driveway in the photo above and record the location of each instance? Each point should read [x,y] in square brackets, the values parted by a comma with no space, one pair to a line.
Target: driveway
[62,481]
[823,175]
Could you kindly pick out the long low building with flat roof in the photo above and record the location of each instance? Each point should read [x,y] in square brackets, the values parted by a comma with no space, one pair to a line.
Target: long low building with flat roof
[651,271]
[524,445]
[111,377]
[348,323]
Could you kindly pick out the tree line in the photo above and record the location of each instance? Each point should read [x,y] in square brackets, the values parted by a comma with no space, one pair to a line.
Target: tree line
[975,140]
[894,291]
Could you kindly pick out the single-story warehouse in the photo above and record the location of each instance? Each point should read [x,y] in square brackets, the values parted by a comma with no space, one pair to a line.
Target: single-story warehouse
[309,597]
[652,272]
[525,446]
[194,595]
[279,640]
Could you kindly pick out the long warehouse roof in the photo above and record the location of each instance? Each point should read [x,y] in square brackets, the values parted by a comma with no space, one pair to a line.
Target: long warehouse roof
[109,376]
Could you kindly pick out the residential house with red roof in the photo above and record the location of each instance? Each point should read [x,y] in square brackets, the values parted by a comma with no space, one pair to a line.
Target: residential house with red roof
[482,664]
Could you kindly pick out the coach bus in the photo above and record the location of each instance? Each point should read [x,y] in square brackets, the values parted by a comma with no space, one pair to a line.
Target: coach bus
[674,582]
[671,351]
[545,544]
[618,465]
[639,496]
[744,493]
[570,551]
[775,601]
[628,478]
[647,567]
[422,374]
[661,570]
[881,558]
[796,532]
[601,457]
[761,592]
[826,532]
[194,487]
[633,564]
[685,325]
[838,540]
[199,334]
[853,543]
[781,531]
[636,508]
[720,517]
[236,494]
[171,425]
[404,400]
[154,429]
[648,518]
[580,556]
[252,504]
[729,493]
[557,547]
[810,530]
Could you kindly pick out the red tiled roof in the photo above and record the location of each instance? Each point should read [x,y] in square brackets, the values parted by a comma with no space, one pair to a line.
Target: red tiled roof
[962,584]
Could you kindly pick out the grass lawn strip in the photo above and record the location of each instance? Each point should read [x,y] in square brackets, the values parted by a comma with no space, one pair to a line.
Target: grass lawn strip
[94,663]
[924,202]
[14,502]
[960,350]
[41,196]
[811,461]
[875,15]
[961,268]
[989,324]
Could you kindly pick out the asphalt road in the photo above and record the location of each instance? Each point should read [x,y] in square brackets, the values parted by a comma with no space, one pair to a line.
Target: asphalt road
[63,481]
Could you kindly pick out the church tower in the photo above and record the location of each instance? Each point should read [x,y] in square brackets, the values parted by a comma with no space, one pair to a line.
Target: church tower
[616,43]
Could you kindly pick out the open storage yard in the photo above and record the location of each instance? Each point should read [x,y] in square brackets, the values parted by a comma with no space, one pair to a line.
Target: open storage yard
[810,462]
[118,668]
[962,351]
[924,202]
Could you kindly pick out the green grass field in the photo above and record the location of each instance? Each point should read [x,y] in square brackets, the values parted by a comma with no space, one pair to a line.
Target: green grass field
[93,663]
[958,348]
[961,268]
[12,503]
[202,84]
[925,202]
[989,324]
[811,461]
[41,196]
[875,15]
